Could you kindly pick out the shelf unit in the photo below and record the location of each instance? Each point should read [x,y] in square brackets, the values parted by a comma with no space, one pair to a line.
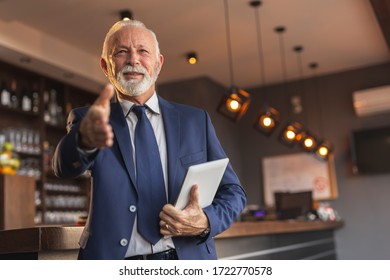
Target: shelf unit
[58,201]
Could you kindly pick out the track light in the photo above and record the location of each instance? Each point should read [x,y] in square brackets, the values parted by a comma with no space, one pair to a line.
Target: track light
[235,104]
[267,120]
[192,58]
[125,15]
[291,133]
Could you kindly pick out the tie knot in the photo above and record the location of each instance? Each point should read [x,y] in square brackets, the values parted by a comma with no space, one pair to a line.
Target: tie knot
[139,111]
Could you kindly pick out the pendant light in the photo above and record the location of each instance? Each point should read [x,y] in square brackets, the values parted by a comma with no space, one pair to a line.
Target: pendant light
[290,134]
[268,117]
[234,104]
[306,139]
[325,147]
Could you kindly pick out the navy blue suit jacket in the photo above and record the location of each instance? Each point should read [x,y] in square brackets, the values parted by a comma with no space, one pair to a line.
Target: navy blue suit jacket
[190,139]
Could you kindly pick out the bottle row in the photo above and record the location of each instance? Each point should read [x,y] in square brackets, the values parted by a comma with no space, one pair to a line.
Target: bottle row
[28,101]
[25,100]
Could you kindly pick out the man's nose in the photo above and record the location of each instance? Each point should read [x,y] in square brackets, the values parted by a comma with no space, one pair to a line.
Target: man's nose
[133,58]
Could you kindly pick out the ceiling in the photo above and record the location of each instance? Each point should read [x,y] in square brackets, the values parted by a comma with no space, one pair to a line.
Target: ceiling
[337,34]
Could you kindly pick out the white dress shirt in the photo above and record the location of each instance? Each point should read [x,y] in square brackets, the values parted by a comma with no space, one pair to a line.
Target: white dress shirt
[138,245]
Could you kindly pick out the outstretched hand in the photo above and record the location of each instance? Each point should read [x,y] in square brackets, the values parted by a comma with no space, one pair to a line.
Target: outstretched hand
[190,221]
[95,130]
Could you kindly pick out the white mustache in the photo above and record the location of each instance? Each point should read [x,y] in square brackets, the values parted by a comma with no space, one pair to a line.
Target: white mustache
[137,69]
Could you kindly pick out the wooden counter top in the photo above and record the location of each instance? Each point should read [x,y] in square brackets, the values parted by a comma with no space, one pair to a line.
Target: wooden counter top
[275,227]
[55,238]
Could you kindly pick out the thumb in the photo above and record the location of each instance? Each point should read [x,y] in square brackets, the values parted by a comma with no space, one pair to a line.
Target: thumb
[105,96]
[194,195]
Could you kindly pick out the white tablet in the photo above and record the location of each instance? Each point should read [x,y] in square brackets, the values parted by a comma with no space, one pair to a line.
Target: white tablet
[207,176]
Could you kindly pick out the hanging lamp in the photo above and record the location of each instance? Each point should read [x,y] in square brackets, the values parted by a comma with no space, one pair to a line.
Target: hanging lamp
[325,147]
[268,117]
[291,132]
[306,139]
[234,104]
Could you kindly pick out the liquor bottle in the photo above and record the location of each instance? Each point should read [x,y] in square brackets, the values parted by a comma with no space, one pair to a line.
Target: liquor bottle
[35,99]
[14,96]
[46,114]
[35,102]
[26,101]
[5,95]
[53,107]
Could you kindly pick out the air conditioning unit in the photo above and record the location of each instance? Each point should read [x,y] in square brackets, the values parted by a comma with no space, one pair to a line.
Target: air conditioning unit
[372,101]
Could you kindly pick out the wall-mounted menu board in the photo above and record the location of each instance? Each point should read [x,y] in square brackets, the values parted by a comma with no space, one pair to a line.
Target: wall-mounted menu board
[297,173]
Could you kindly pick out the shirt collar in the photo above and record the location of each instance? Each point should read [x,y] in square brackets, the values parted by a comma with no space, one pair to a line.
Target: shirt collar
[152,104]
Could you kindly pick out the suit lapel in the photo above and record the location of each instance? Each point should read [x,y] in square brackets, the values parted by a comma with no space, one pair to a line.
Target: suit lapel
[172,134]
[121,131]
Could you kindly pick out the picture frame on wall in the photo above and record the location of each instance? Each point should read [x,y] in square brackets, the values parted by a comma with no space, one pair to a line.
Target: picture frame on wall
[298,172]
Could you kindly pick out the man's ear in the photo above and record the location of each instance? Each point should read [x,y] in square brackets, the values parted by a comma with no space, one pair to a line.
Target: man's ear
[160,62]
[103,65]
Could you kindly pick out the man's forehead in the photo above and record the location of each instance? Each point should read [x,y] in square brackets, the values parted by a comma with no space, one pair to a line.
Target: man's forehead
[133,32]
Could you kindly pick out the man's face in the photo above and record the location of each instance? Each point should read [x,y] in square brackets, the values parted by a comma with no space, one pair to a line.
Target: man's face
[133,65]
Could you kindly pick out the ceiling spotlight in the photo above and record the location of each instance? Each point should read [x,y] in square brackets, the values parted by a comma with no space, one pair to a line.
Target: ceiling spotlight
[291,133]
[192,58]
[235,104]
[267,120]
[126,15]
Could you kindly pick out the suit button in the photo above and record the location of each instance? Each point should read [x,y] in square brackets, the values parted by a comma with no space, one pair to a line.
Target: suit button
[123,242]
[132,208]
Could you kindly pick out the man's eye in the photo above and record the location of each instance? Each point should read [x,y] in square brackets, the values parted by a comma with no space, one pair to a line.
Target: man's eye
[120,53]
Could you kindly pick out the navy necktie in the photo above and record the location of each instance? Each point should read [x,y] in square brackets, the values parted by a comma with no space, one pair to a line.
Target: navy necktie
[150,178]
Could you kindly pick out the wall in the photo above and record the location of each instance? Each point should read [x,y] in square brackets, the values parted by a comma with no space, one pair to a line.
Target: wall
[327,111]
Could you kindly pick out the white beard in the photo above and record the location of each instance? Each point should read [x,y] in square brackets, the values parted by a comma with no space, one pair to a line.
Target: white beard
[132,87]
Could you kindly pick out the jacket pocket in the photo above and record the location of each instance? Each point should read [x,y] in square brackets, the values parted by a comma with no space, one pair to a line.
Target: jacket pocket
[192,159]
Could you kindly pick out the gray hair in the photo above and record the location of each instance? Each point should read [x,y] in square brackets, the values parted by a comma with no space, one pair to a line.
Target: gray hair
[124,24]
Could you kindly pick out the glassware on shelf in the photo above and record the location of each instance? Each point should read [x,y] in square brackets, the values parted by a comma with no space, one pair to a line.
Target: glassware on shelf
[24,140]
[63,217]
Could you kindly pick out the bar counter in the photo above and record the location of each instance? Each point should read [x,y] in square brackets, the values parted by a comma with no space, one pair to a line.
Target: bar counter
[61,242]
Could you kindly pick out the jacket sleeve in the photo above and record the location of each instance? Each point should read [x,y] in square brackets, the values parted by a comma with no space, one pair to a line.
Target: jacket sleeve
[68,161]
[230,198]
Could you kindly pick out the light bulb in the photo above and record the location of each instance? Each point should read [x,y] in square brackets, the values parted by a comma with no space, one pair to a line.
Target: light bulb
[308,142]
[323,151]
[267,121]
[192,60]
[233,105]
[290,134]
